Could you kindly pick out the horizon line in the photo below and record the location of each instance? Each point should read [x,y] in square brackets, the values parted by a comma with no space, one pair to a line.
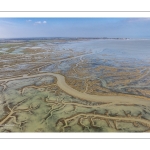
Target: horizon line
[71,37]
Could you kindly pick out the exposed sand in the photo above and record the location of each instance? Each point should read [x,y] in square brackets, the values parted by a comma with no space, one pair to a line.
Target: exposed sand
[128,119]
[93,98]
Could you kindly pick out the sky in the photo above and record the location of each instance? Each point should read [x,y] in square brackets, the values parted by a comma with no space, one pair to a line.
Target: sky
[75,27]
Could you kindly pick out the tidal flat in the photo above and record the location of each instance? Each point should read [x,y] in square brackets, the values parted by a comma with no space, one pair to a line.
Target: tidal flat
[75,85]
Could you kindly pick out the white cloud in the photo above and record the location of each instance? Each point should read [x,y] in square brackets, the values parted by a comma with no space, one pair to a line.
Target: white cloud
[44,22]
[7,22]
[29,20]
[38,22]
[41,22]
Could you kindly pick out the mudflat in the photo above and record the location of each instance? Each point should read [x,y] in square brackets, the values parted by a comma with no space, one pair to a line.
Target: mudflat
[75,85]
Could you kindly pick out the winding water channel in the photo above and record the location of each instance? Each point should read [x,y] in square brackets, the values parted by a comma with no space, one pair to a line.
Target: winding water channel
[129,99]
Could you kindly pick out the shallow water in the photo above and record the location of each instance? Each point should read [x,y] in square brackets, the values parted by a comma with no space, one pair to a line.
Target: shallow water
[138,49]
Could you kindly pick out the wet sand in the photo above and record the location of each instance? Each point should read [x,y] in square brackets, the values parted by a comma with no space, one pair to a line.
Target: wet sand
[93,98]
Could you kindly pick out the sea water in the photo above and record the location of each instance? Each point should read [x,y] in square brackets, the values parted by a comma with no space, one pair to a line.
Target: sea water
[128,48]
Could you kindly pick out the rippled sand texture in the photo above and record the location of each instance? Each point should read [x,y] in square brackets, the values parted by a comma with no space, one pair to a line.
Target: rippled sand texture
[75,85]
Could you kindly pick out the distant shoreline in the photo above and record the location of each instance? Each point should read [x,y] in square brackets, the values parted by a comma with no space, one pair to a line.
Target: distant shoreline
[5,40]
[18,40]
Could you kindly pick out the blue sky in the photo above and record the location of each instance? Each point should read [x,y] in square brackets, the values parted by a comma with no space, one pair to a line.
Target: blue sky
[75,27]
